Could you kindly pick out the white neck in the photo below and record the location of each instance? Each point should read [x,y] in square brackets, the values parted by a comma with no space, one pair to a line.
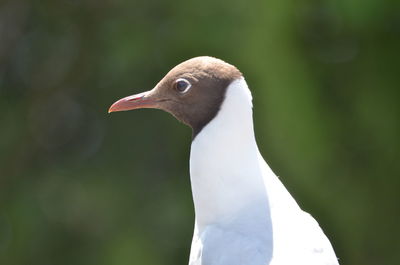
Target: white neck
[225,169]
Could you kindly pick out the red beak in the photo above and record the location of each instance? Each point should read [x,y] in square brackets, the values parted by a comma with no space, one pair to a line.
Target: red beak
[138,101]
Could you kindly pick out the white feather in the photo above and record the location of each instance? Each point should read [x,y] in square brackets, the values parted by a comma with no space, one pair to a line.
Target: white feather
[244,215]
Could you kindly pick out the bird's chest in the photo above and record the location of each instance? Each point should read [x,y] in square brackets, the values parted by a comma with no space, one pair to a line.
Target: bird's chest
[218,245]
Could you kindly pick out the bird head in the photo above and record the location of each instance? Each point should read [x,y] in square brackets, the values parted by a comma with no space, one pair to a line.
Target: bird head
[192,91]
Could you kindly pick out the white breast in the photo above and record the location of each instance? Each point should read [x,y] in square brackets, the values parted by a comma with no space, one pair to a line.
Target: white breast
[244,215]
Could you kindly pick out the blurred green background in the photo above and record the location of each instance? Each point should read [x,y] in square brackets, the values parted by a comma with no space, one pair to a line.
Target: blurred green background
[80,186]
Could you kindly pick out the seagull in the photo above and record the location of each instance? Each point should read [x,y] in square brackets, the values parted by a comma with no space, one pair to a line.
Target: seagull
[243,213]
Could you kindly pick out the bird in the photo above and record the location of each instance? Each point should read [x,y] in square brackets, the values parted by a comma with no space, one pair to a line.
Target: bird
[243,213]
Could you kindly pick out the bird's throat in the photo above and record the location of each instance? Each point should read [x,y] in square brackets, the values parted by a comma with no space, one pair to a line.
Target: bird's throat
[225,171]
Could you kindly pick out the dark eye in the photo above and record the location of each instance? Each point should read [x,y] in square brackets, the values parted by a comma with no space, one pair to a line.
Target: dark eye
[182,85]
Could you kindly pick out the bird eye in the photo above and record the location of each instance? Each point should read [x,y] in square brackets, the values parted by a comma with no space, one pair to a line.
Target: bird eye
[182,85]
